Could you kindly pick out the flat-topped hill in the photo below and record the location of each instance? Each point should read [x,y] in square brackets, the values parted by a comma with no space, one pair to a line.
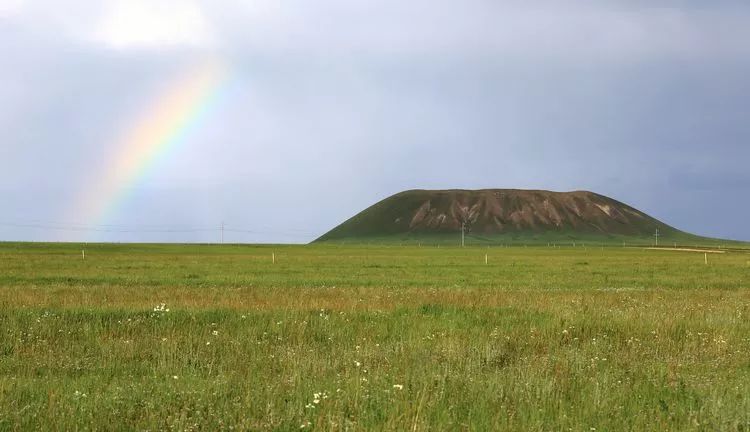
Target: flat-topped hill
[492,214]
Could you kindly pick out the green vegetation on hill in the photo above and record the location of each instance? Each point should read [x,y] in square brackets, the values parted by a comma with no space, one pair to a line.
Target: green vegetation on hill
[506,216]
[199,337]
[530,238]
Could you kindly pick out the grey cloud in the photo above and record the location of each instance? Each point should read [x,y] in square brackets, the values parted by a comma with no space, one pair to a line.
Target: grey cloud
[337,104]
[566,30]
[718,180]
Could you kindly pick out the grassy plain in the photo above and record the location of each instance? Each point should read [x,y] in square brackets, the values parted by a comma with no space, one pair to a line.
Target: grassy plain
[198,337]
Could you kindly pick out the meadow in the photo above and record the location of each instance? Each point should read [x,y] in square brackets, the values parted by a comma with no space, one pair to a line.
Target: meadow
[332,337]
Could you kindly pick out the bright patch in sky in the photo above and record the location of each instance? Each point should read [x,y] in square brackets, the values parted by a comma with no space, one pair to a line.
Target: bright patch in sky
[147,23]
[9,7]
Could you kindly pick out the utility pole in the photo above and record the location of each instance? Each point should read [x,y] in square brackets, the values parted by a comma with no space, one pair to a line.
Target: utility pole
[463,235]
[656,236]
[222,233]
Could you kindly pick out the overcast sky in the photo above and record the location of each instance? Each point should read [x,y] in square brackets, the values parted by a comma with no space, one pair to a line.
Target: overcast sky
[331,105]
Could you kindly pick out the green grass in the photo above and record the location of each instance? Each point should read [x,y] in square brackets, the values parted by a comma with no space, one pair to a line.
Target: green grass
[560,238]
[388,337]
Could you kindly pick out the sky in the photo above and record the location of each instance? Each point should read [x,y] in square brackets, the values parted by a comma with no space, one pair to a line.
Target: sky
[159,120]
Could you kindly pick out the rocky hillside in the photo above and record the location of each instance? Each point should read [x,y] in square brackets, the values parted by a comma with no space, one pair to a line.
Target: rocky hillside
[493,212]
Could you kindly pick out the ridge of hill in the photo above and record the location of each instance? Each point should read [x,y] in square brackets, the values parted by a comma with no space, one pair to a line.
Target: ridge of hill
[497,215]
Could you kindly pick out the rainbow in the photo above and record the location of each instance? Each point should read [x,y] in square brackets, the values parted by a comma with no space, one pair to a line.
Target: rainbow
[173,116]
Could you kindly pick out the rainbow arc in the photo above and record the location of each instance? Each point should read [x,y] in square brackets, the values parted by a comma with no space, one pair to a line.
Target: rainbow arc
[174,116]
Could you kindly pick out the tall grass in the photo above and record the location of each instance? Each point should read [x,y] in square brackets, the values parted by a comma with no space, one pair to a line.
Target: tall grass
[372,338]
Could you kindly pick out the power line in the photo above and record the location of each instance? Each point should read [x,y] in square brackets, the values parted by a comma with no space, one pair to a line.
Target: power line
[223,228]
[92,225]
[95,229]
[286,233]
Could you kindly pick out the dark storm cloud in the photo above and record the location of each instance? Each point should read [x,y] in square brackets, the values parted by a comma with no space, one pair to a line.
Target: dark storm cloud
[336,104]
[719,181]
